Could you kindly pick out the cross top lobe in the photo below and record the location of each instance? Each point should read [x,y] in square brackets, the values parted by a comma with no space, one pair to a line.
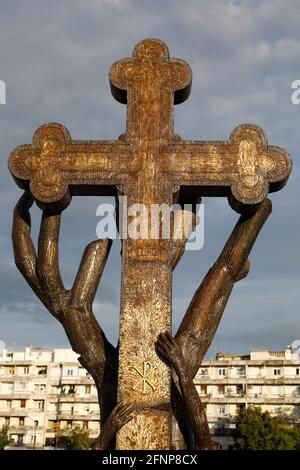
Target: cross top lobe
[149,53]
[150,83]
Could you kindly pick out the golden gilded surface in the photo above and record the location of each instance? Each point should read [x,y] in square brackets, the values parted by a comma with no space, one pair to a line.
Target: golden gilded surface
[145,381]
[149,83]
[148,164]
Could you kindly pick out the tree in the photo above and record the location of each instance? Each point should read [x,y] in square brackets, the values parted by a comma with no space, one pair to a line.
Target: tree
[77,439]
[4,437]
[257,430]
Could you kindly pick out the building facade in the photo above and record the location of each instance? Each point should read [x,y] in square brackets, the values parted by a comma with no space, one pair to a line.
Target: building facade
[43,392]
[266,379]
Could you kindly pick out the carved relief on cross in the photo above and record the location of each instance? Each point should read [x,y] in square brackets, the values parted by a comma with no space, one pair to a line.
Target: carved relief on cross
[145,380]
[148,163]
[56,166]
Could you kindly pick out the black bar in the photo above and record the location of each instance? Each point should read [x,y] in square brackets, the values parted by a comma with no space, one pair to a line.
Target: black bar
[137,459]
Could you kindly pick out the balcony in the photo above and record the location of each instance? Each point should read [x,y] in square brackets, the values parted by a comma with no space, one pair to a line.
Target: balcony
[23,412]
[255,380]
[237,394]
[16,429]
[51,433]
[204,380]
[53,398]
[67,416]
[223,399]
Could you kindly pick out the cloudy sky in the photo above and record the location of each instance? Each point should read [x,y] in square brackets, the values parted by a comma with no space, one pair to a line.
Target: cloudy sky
[54,58]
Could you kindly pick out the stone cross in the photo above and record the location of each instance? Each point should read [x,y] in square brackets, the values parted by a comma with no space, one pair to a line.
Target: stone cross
[148,164]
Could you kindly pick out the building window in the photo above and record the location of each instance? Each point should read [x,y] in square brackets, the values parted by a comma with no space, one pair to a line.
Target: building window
[26,370]
[68,390]
[6,420]
[42,370]
[203,389]
[21,421]
[23,403]
[11,370]
[257,390]
[222,372]
[241,406]
[204,372]
[221,410]
[8,404]
[87,389]
[69,424]
[53,424]
[241,371]
[10,355]
[70,372]
[21,385]
[72,410]
[36,423]
[85,424]
[221,389]
[20,439]
[277,371]
[40,405]
[33,440]
[297,371]
[39,387]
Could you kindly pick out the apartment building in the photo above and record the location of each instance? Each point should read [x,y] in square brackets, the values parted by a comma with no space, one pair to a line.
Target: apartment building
[43,391]
[266,379]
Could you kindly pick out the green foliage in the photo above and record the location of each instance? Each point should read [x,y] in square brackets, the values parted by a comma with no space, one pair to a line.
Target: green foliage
[257,430]
[4,437]
[77,439]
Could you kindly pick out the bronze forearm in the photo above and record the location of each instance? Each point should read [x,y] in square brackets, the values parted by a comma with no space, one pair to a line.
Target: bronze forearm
[207,306]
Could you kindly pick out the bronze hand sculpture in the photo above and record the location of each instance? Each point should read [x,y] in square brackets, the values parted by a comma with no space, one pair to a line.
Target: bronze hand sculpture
[170,352]
[73,308]
[120,415]
[150,165]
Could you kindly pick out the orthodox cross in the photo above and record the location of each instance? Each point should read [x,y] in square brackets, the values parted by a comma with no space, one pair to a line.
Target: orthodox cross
[148,164]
